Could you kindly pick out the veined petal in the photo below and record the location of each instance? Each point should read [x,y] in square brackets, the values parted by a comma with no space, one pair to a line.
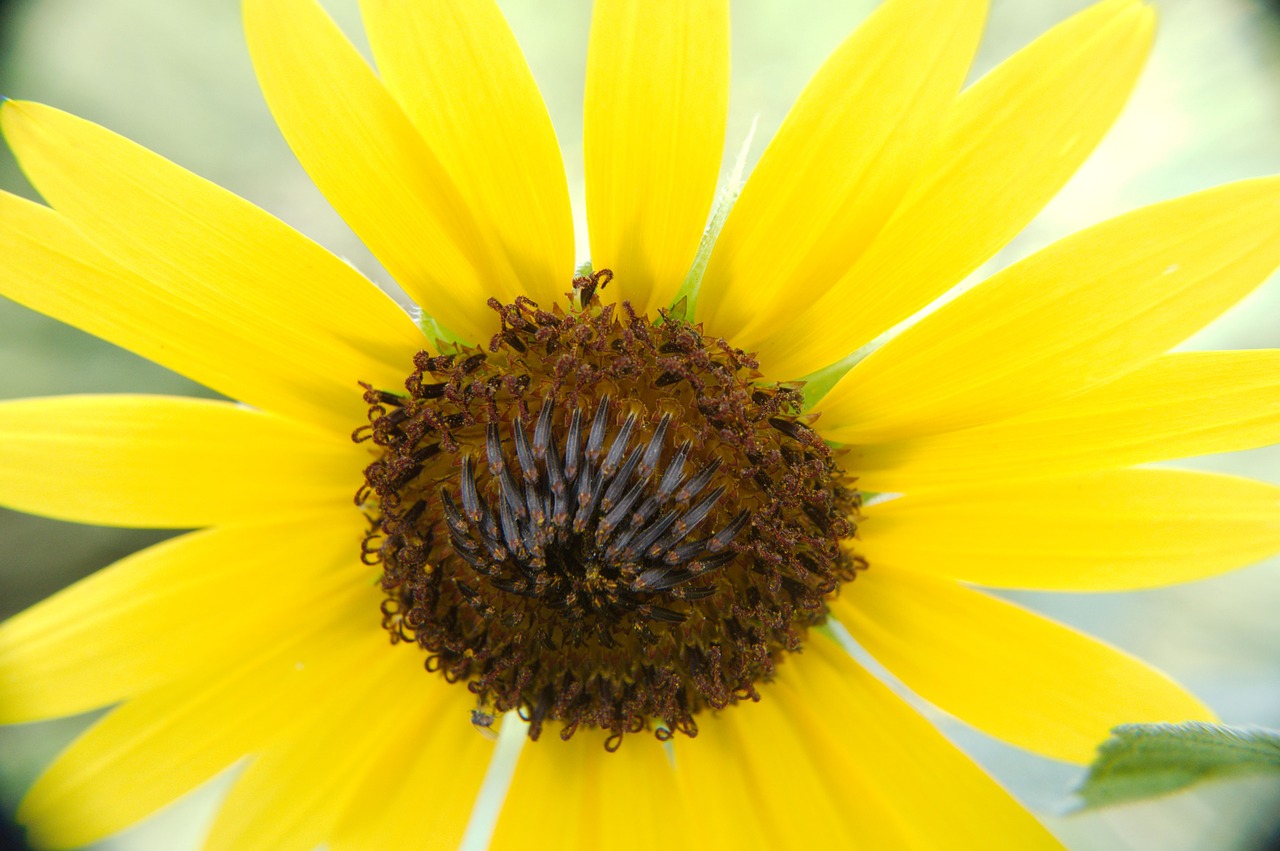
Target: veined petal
[762,780]
[456,70]
[732,809]
[1012,674]
[238,283]
[157,615]
[387,809]
[369,161]
[1010,143]
[263,348]
[829,756]
[576,792]
[1179,405]
[292,793]
[887,751]
[839,165]
[653,133]
[160,462]
[1111,531]
[161,745]
[1082,312]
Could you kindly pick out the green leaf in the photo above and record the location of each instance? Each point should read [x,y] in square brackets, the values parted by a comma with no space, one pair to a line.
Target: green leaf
[1146,760]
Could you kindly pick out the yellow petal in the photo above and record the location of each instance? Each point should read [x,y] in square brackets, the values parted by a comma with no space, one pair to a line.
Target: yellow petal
[292,793]
[152,461]
[1111,531]
[590,799]
[456,70]
[176,607]
[1009,144]
[1010,673]
[653,133]
[213,261]
[271,354]
[406,800]
[1082,312]
[886,751]
[369,161]
[733,810]
[839,165]
[161,745]
[760,778]
[829,758]
[1179,405]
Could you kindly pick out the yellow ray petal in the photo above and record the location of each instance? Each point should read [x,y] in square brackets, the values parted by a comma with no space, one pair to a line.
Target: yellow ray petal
[292,793]
[406,800]
[161,745]
[153,461]
[1010,143]
[367,158]
[592,800]
[1010,673]
[456,70]
[1191,403]
[839,165]
[732,807]
[275,301]
[758,778]
[178,606]
[883,749]
[829,757]
[1111,531]
[1082,312]
[653,133]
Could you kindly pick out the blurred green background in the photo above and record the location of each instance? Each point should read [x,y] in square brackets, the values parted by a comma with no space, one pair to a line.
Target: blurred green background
[176,77]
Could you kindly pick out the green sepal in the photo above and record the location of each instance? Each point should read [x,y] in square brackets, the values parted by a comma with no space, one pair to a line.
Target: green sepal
[725,198]
[818,384]
[433,330]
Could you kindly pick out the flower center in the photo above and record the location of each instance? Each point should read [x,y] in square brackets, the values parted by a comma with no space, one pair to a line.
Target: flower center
[602,519]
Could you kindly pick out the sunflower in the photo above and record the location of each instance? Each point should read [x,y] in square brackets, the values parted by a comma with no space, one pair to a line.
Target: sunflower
[623,513]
